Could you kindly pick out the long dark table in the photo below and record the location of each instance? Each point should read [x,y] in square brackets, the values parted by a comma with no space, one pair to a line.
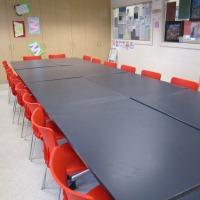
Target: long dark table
[47,74]
[17,65]
[55,94]
[135,151]
[36,74]
[183,105]
[177,102]
[133,85]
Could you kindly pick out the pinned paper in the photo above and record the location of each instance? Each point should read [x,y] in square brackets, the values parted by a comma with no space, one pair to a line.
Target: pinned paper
[18,29]
[22,8]
[33,25]
[35,48]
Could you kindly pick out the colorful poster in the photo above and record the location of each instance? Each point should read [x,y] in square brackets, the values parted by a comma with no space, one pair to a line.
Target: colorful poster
[123,44]
[18,29]
[184,9]
[22,8]
[33,25]
[122,15]
[171,11]
[35,48]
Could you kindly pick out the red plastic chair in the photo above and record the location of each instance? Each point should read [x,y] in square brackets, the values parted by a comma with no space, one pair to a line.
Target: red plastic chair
[5,64]
[21,89]
[32,57]
[59,161]
[52,56]
[96,60]
[185,83]
[110,64]
[88,58]
[13,80]
[50,140]
[128,68]
[9,72]
[151,74]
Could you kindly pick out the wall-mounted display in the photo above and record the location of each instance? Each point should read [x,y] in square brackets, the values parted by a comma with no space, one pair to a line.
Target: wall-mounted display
[187,14]
[132,22]
[173,31]
[195,10]
[22,8]
[35,48]
[33,25]
[18,29]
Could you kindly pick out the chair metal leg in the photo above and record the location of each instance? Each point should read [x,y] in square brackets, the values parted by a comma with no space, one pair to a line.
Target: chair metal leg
[33,147]
[14,103]
[20,109]
[30,152]
[9,94]
[27,129]
[22,126]
[14,109]
[74,177]
[59,193]
[44,179]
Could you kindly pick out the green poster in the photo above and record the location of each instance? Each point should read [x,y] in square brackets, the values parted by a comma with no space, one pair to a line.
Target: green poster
[184,9]
[35,48]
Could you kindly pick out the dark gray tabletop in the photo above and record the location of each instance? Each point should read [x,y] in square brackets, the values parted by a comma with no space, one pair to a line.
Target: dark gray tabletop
[183,105]
[47,74]
[68,61]
[32,64]
[56,94]
[134,151]
[133,85]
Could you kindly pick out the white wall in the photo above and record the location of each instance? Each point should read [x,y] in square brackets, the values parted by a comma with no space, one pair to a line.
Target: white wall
[169,61]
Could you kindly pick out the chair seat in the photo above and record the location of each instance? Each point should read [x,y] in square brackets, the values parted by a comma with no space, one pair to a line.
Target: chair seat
[99,193]
[53,126]
[74,163]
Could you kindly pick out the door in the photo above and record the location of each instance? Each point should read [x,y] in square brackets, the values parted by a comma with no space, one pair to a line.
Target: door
[48,26]
[91,25]
[78,27]
[63,20]
[104,17]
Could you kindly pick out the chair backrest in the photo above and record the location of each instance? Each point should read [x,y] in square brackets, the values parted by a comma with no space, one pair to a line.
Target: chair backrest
[110,64]
[13,81]
[58,165]
[52,56]
[8,70]
[88,58]
[32,57]
[30,104]
[47,134]
[4,62]
[96,60]
[20,91]
[128,68]
[151,74]
[185,83]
